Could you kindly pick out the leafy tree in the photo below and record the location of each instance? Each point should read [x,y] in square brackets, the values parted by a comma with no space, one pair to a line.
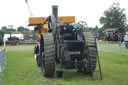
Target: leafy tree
[126,28]
[22,29]
[114,17]
[12,30]
[96,27]
[100,33]
[26,29]
[5,30]
[4,27]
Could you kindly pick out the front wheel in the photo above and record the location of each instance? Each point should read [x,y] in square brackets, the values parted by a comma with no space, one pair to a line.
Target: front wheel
[48,55]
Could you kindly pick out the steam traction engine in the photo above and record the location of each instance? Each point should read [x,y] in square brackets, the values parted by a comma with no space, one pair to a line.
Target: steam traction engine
[64,43]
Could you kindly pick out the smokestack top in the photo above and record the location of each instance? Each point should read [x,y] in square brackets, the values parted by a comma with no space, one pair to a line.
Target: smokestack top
[54,6]
[55,11]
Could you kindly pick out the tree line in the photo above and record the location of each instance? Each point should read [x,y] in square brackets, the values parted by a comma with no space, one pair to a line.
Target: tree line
[113,17]
[28,34]
[6,30]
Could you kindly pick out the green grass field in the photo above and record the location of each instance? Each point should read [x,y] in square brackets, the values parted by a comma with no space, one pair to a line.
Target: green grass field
[22,70]
[113,47]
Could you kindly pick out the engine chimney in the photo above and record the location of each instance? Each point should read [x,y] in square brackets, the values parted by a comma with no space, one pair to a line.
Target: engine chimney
[55,12]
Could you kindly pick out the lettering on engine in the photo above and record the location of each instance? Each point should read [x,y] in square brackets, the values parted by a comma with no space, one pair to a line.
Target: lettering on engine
[74,52]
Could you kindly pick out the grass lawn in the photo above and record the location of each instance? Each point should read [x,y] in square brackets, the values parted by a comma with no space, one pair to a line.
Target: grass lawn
[22,70]
[113,47]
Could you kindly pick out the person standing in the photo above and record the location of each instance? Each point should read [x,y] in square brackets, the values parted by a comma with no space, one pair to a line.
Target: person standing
[126,40]
[119,39]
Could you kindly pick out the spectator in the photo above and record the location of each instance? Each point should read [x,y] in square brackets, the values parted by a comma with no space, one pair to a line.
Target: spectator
[126,40]
[119,39]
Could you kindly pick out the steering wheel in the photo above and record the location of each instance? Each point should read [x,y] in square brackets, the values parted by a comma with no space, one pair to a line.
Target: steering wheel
[82,25]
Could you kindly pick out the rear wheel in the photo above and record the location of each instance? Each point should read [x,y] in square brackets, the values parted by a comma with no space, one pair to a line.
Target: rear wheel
[48,55]
[91,53]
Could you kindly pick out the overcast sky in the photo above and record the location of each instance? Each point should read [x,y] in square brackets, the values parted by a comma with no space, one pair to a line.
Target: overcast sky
[15,12]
